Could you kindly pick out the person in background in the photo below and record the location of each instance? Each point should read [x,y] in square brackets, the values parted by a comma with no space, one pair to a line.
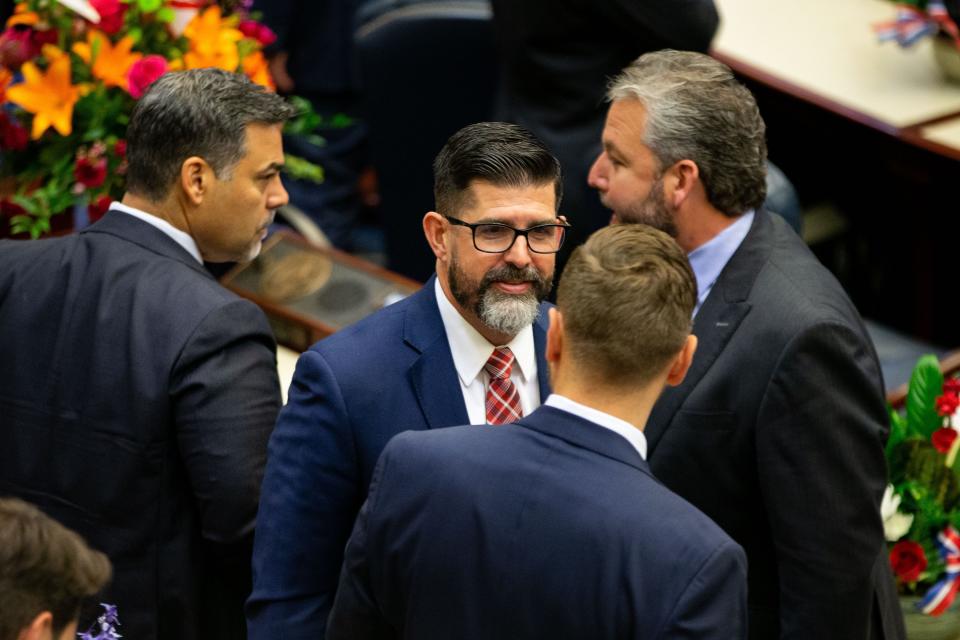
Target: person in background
[777,432]
[556,57]
[46,572]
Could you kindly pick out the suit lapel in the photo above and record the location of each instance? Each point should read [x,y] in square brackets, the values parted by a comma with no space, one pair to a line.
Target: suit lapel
[433,375]
[718,320]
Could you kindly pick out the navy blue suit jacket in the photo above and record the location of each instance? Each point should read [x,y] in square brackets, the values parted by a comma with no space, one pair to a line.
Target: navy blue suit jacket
[350,394]
[553,527]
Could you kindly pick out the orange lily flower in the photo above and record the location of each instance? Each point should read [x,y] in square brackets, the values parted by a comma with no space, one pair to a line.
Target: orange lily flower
[256,68]
[48,96]
[111,62]
[22,16]
[213,41]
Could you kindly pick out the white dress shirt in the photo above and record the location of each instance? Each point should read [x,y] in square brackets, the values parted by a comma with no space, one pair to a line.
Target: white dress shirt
[471,351]
[633,435]
[182,238]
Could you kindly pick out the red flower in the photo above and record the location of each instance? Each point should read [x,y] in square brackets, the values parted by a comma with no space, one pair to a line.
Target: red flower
[111,13]
[951,386]
[13,136]
[97,208]
[943,438]
[16,47]
[907,560]
[947,404]
[120,148]
[259,32]
[90,174]
[144,72]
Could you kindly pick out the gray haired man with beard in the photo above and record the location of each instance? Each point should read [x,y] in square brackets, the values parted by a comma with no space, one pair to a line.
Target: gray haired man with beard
[777,432]
[467,348]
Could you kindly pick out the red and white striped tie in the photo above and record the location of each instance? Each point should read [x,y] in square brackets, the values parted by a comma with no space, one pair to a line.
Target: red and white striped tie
[503,399]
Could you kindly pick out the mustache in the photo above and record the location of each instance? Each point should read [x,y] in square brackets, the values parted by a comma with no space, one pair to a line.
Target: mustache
[512,274]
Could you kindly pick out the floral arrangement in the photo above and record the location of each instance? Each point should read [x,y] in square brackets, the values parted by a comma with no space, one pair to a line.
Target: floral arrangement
[916,19]
[70,73]
[105,628]
[921,508]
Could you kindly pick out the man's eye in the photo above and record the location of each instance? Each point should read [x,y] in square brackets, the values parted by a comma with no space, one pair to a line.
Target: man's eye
[542,233]
[492,232]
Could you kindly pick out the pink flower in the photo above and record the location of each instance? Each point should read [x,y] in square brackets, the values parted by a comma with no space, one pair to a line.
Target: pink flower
[143,73]
[90,174]
[259,32]
[111,13]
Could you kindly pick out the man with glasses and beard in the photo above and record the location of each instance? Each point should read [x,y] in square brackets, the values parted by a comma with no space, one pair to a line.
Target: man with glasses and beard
[466,349]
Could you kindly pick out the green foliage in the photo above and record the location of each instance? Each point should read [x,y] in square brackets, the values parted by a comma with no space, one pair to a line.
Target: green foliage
[300,169]
[926,383]
[926,479]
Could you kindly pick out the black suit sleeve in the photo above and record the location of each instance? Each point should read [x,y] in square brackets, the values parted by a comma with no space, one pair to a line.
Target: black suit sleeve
[819,442]
[226,396]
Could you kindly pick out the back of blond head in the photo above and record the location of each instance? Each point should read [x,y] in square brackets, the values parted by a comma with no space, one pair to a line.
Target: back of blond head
[627,296]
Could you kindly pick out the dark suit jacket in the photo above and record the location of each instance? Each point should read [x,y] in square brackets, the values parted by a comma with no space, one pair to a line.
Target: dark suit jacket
[777,434]
[556,58]
[350,394]
[552,527]
[136,399]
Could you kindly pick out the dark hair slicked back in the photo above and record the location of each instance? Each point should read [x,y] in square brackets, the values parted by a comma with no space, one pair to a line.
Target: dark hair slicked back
[500,153]
[200,112]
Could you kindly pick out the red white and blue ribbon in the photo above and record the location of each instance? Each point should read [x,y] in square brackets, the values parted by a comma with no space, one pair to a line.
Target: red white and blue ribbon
[941,595]
[911,24]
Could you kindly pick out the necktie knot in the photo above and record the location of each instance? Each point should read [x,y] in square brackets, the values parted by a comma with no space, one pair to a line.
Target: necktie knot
[500,363]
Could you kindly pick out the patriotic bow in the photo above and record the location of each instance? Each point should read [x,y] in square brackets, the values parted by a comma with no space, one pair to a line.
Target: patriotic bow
[911,24]
[941,595]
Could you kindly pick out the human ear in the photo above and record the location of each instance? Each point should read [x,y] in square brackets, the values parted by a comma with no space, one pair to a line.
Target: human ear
[435,229]
[40,628]
[681,364]
[683,177]
[195,178]
[554,335]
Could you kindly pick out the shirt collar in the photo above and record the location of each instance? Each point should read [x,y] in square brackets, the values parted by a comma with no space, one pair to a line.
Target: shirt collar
[633,435]
[471,350]
[180,237]
[709,259]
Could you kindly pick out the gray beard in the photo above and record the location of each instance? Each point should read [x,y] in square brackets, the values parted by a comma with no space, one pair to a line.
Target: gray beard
[507,313]
[504,313]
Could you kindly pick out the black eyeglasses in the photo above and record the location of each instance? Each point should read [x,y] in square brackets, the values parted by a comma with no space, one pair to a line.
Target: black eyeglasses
[496,237]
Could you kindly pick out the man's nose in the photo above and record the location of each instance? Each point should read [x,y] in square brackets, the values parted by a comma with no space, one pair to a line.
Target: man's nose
[597,178]
[278,197]
[519,253]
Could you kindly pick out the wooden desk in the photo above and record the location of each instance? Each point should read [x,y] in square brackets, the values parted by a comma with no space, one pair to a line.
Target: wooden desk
[826,52]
